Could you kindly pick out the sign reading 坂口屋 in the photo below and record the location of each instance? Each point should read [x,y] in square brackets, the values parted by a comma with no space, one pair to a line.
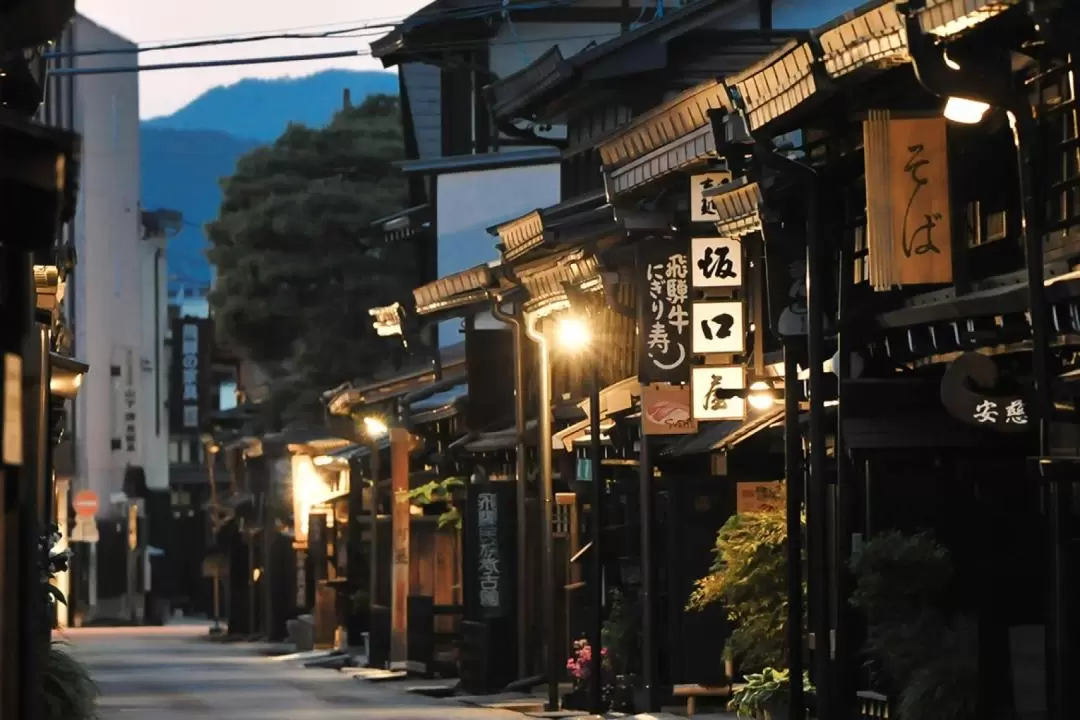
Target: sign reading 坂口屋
[703,209]
[717,393]
[665,335]
[716,262]
[666,410]
[718,327]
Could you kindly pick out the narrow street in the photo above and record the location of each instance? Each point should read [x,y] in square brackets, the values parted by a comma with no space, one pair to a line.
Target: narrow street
[174,673]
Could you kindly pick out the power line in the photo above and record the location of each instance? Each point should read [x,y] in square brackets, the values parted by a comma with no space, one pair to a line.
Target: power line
[448,45]
[65,71]
[420,19]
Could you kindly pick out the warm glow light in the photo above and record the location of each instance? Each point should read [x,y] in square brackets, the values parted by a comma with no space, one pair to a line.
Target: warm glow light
[761,395]
[65,384]
[256,574]
[375,427]
[309,488]
[322,460]
[965,111]
[573,334]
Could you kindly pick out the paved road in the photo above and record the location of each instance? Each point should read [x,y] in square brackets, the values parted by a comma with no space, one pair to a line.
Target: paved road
[173,673]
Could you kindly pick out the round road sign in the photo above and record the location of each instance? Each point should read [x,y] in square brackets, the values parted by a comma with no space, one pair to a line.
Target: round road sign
[86,503]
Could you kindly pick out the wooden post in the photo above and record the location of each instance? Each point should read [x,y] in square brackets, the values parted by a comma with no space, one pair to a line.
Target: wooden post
[399,621]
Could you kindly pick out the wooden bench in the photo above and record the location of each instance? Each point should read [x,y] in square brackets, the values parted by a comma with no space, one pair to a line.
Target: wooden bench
[693,692]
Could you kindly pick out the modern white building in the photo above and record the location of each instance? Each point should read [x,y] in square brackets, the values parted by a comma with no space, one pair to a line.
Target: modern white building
[117,302]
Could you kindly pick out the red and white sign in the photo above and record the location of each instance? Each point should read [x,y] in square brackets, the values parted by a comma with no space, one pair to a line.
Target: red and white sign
[666,410]
[85,503]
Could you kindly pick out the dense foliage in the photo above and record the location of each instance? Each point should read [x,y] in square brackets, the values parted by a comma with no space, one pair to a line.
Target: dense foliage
[927,652]
[749,578]
[298,263]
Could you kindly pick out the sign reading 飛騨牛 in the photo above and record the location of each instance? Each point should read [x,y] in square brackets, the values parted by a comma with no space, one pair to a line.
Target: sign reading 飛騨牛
[664,336]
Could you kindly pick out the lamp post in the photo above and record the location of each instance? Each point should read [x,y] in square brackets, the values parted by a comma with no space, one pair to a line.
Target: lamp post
[212,449]
[374,429]
[575,335]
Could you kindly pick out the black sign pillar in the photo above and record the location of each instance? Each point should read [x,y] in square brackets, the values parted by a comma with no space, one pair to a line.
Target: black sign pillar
[490,583]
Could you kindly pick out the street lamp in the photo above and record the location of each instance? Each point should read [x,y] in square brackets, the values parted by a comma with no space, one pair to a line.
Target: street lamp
[574,335]
[212,449]
[761,396]
[374,428]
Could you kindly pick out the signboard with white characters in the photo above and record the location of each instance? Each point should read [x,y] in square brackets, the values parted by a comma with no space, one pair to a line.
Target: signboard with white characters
[717,393]
[716,262]
[702,209]
[718,327]
[488,532]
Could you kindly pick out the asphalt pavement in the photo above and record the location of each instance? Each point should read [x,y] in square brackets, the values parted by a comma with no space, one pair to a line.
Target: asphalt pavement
[175,673]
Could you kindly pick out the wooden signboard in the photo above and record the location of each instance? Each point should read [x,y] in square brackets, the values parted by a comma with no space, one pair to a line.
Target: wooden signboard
[909,223]
[666,410]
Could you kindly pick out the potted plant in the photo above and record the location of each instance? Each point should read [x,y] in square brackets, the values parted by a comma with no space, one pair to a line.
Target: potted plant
[927,654]
[67,690]
[765,695]
[437,498]
[618,636]
[749,578]
[580,667]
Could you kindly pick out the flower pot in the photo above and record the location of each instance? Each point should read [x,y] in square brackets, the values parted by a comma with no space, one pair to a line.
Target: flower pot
[576,699]
[777,711]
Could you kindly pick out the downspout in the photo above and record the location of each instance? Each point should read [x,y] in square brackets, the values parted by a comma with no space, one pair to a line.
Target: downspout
[546,488]
[520,477]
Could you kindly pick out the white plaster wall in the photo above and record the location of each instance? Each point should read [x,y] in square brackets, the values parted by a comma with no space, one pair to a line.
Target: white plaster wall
[470,202]
[109,287]
[153,387]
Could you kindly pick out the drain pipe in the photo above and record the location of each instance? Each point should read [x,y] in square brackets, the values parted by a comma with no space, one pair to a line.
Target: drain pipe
[520,478]
[547,489]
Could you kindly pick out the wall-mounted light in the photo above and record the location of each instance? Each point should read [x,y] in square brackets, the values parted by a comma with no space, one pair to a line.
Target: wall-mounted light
[323,460]
[761,395]
[573,333]
[66,375]
[964,111]
[375,427]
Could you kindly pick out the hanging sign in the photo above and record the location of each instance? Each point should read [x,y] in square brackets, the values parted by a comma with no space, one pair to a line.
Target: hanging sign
[717,393]
[665,410]
[702,209]
[758,496]
[716,262]
[909,222]
[664,338]
[718,327]
[963,393]
[490,519]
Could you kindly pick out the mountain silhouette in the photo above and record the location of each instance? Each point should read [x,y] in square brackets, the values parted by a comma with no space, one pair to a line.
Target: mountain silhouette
[184,155]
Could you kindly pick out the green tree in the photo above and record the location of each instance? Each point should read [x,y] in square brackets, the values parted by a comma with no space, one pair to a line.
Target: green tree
[298,264]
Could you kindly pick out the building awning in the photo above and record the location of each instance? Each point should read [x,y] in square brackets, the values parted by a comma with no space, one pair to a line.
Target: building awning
[616,398]
[404,223]
[562,226]
[513,93]
[439,406]
[343,400]
[455,292]
[545,281]
[724,435]
[481,161]
[738,207]
[496,440]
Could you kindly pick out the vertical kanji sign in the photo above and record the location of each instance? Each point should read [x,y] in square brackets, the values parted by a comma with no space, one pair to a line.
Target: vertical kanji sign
[702,209]
[664,335]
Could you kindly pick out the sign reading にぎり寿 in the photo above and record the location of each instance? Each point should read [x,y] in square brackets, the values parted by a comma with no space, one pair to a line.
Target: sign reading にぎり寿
[664,337]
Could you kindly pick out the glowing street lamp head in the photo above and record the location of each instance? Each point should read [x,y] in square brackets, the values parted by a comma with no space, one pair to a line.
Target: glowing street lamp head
[761,395]
[573,334]
[965,111]
[375,427]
